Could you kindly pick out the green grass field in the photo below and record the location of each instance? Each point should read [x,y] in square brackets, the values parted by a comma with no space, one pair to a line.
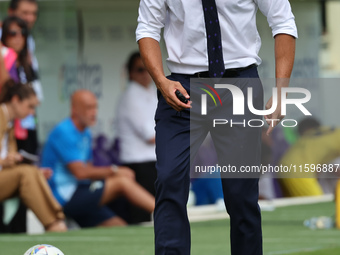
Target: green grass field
[283,233]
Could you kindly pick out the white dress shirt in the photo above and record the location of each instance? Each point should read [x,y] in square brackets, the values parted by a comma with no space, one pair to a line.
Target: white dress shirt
[185,34]
[136,124]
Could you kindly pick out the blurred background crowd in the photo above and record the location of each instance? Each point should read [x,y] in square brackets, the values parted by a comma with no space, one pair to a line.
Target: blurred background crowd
[59,48]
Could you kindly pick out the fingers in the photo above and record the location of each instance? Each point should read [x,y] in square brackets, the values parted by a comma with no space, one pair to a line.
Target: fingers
[18,157]
[177,104]
[179,100]
[47,172]
[269,130]
[10,160]
[272,120]
[168,90]
[14,156]
[269,103]
[183,91]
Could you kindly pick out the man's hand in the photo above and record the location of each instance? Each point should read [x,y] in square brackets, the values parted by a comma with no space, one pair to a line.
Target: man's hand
[152,59]
[168,89]
[273,119]
[47,172]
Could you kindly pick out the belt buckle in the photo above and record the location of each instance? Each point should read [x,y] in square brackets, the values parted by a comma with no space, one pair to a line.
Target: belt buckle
[201,75]
[198,75]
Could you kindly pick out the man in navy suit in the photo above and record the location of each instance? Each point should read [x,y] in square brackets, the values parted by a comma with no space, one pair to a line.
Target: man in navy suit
[209,39]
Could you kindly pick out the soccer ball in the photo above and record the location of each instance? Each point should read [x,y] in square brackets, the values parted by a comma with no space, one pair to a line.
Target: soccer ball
[43,249]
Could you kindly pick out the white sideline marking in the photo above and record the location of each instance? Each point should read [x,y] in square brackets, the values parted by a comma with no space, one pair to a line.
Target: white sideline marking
[296,250]
[281,202]
[56,239]
[211,212]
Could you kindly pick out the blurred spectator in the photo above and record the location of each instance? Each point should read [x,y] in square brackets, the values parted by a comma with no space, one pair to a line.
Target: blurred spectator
[101,156]
[206,186]
[25,181]
[316,147]
[105,155]
[83,189]
[7,63]
[3,72]
[8,68]
[113,152]
[282,139]
[136,128]
[24,9]
[27,10]
[15,36]
[26,130]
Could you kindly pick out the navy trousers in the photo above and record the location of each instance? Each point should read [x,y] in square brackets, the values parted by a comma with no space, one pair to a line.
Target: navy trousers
[176,142]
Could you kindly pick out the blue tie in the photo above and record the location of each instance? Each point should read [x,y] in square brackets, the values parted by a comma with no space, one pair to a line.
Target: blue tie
[214,42]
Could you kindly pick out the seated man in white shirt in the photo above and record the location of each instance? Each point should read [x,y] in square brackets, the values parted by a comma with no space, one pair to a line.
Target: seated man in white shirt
[136,131]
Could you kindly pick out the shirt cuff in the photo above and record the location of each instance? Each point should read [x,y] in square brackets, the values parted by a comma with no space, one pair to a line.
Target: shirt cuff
[288,27]
[143,31]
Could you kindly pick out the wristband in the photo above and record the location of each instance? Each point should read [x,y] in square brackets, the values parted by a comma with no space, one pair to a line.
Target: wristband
[114,168]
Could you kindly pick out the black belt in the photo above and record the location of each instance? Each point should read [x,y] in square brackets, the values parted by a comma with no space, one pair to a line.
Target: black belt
[232,72]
